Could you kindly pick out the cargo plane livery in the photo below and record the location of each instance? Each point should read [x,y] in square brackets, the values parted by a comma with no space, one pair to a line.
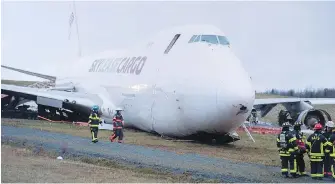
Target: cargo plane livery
[185,82]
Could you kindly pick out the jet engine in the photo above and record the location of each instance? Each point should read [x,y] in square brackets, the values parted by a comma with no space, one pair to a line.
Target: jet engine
[312,116]
[308,117]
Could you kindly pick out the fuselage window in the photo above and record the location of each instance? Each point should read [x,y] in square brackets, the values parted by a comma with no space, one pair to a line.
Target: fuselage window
[173,41]
[223,40]
[210,39]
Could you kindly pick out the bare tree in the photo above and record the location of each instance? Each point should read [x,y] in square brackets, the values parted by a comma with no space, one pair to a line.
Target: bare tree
[306,93]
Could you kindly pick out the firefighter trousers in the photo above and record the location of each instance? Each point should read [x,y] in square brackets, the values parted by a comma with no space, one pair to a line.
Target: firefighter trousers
[332,161]
[285,162]
[316,167]
[301,164]
[118,133]
[94,132]
[327,164]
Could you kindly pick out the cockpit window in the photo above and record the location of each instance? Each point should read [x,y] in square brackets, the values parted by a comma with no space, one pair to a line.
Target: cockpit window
[210,39]
[197,39]
[213,39]
[223,40]
[192,39]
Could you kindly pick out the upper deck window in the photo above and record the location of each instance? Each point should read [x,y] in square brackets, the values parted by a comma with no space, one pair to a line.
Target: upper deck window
[173,41]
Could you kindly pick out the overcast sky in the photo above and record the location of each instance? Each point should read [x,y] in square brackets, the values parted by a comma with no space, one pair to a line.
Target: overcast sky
[281,44]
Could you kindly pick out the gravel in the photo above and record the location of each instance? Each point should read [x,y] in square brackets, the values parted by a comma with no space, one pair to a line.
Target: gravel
[200,167]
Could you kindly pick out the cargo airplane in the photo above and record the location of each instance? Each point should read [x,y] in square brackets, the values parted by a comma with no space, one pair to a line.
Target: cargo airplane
[185,82]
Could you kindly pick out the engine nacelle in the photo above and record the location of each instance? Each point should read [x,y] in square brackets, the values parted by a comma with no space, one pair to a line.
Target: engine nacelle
[308,117]
[312,116]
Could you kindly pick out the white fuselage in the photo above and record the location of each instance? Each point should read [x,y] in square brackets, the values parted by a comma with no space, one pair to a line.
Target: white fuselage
[195,87]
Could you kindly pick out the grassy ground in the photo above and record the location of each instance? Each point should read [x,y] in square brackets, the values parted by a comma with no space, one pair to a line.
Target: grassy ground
[22,165]
[264,151]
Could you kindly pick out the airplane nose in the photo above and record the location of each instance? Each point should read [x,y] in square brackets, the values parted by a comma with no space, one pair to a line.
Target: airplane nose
[234,104]
[234,86]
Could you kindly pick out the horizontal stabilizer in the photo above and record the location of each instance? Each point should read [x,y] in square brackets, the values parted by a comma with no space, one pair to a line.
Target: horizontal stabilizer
[48,77]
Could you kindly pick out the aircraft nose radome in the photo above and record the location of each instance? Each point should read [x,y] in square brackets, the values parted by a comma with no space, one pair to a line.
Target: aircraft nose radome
[234,101]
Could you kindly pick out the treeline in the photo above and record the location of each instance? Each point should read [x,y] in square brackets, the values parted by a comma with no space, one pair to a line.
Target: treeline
[307,93]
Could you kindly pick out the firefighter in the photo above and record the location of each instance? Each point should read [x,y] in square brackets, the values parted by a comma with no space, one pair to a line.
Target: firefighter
[253,117]
[286,142]
[94,121]
[332,152]
[327,160]
[301,139]
[327,133]
[118,124]
[316,145]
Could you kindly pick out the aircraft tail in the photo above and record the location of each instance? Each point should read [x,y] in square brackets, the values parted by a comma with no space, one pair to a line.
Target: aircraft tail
[43,76]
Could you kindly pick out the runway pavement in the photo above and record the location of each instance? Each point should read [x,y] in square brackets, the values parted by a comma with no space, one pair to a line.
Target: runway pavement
[196,165]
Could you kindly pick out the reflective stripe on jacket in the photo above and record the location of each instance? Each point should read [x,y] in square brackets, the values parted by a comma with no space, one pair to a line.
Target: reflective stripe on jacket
[94,120]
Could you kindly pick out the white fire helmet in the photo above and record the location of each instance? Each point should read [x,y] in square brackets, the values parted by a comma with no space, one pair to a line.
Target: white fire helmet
[118,109]
[330,124]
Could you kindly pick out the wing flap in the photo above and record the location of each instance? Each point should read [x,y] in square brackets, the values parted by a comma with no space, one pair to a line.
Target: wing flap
[59,99]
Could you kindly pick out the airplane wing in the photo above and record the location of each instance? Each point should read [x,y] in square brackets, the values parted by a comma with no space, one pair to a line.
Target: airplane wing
[56,97]
[265,105]
[314,101]
[73,101]
[43,76]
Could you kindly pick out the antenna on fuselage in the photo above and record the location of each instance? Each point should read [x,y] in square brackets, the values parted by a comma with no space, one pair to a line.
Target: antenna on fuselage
[74,17]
